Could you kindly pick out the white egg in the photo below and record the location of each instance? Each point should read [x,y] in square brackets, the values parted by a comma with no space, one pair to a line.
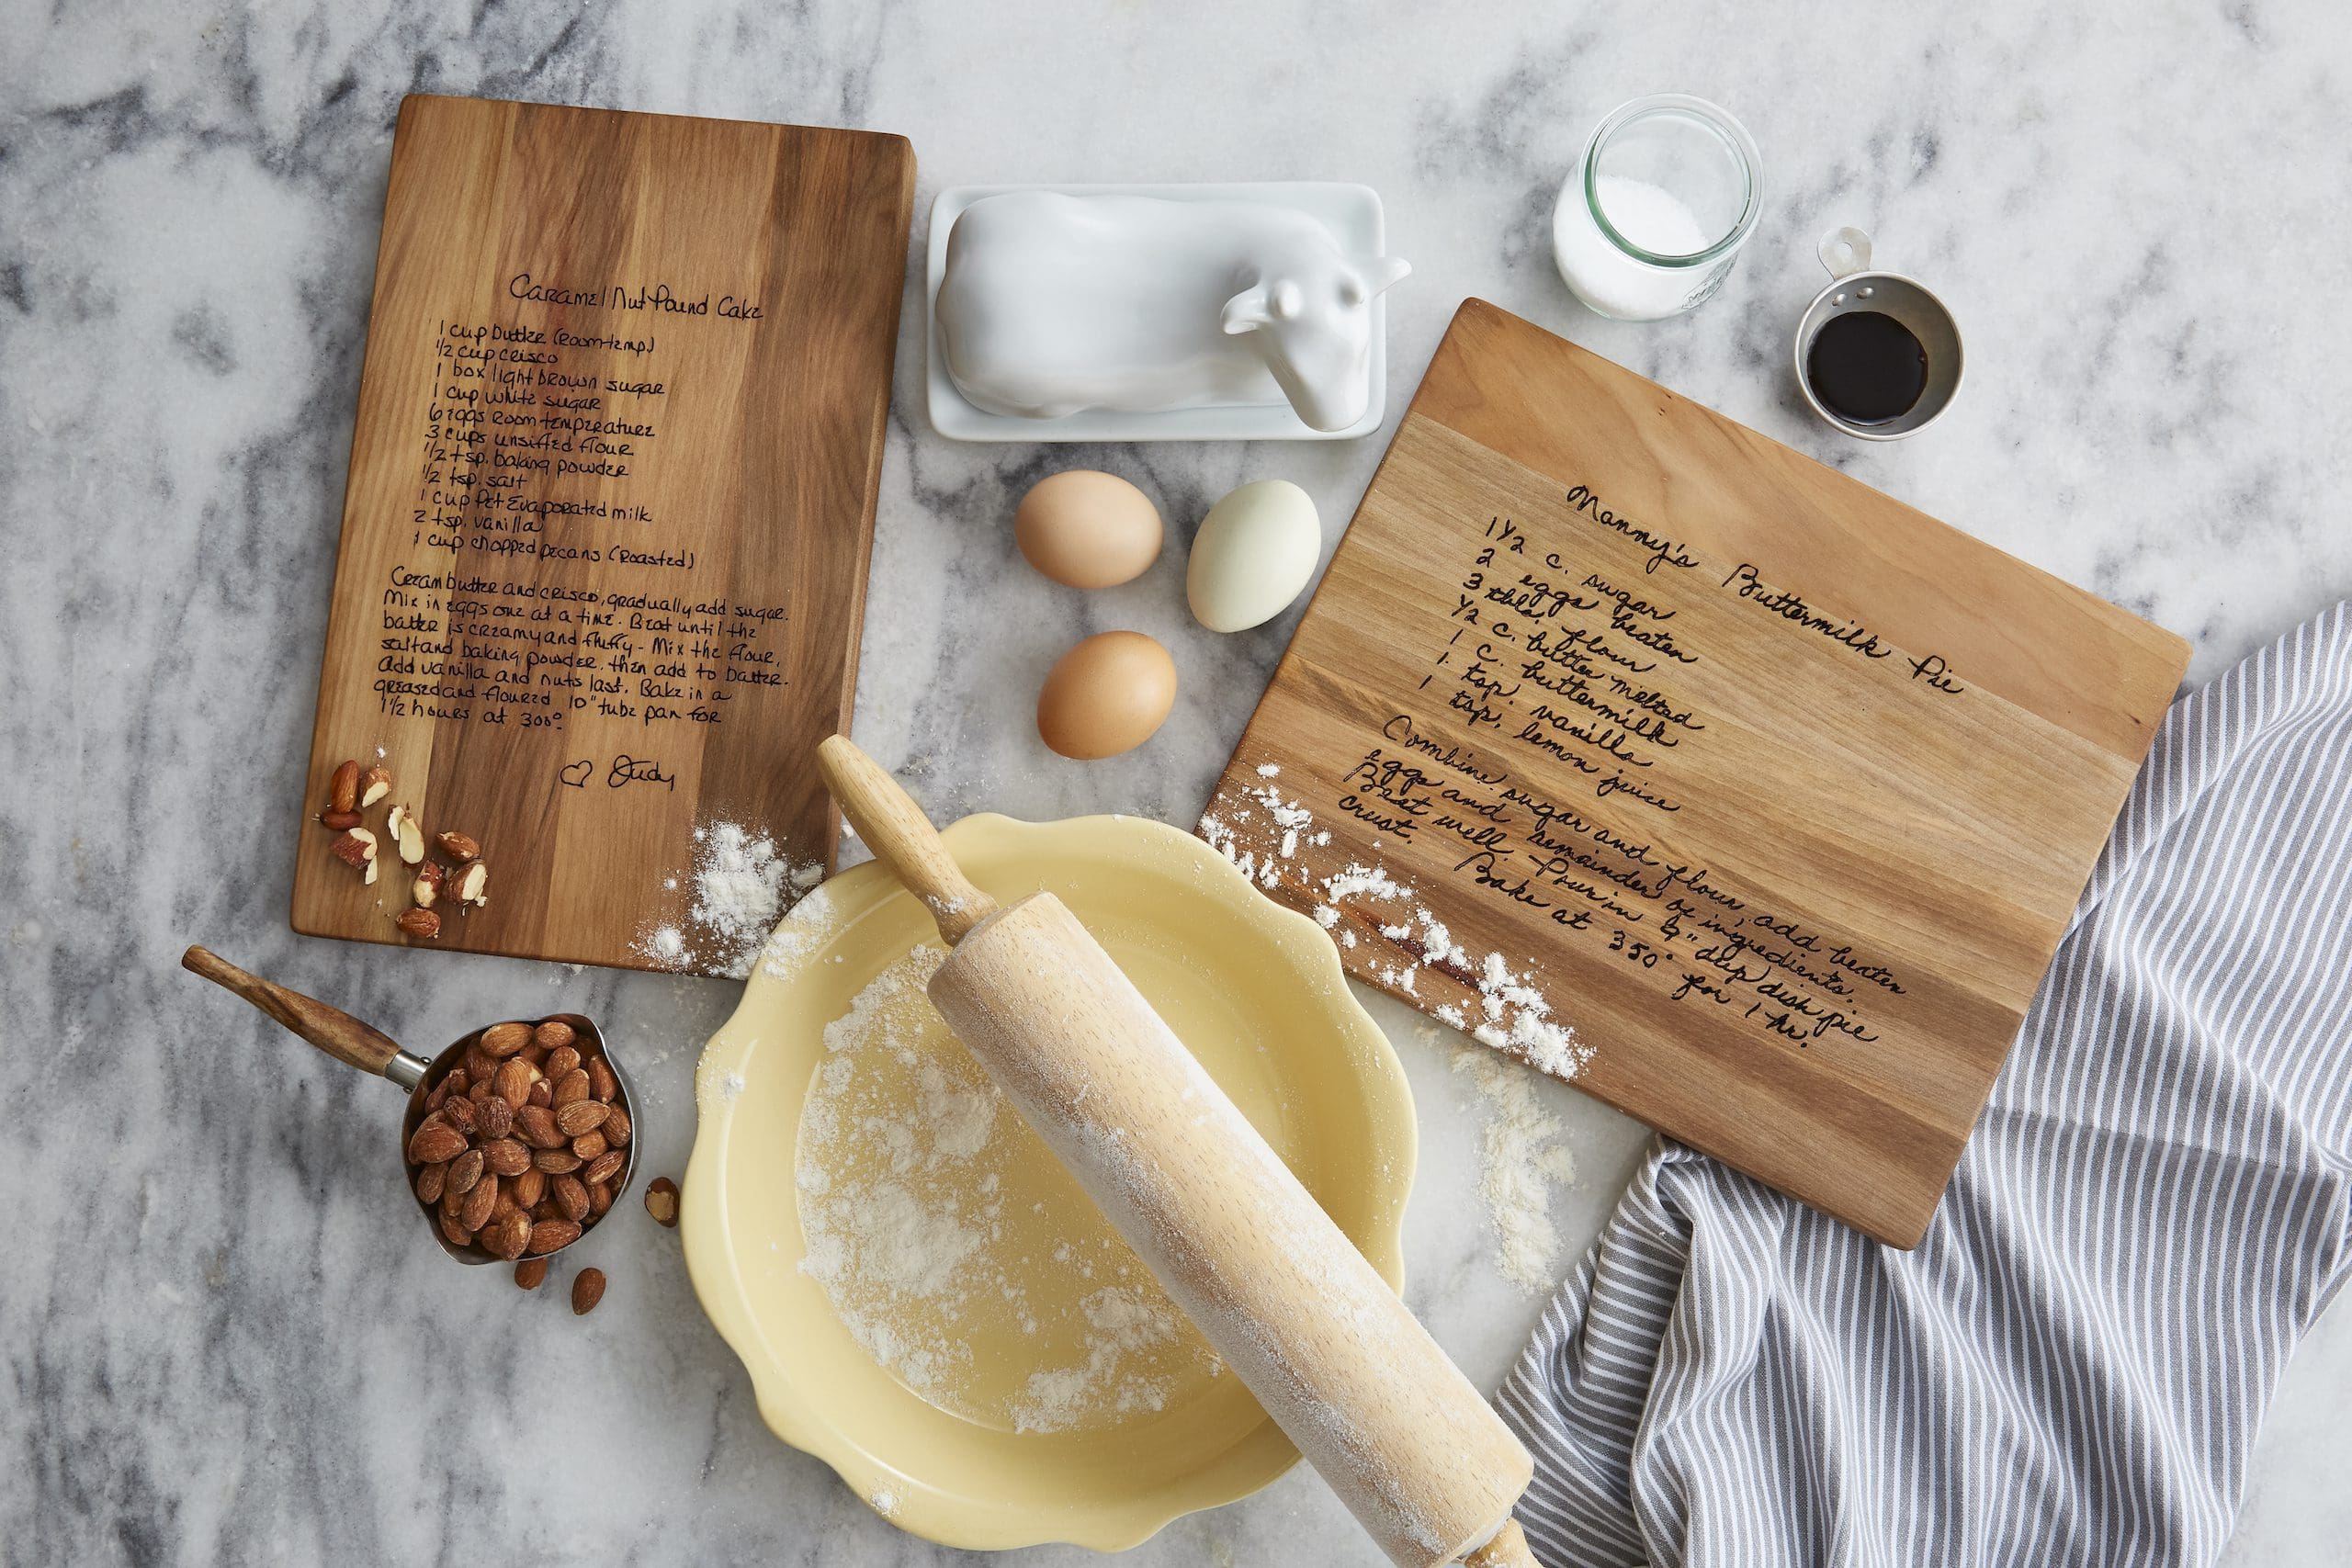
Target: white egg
[1254,552]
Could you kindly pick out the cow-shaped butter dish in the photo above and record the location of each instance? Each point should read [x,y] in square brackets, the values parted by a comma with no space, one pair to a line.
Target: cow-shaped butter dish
[1159,313]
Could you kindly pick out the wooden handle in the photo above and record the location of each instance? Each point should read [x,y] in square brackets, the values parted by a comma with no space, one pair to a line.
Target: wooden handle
[902,838]
[332,1030]
[1507,1550]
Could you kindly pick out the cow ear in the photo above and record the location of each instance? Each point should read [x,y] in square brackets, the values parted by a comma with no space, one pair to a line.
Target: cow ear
[1248,311]
[1386,274]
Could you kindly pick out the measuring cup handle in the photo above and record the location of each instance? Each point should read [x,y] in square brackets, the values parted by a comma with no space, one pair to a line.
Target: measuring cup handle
[332,1030]
[1845,252]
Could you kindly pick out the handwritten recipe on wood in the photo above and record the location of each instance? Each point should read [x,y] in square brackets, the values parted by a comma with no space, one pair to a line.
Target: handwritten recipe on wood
[606,535]
[1667,760]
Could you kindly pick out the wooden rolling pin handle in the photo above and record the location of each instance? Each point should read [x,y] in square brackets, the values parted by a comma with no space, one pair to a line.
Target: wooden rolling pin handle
[1507,1550]
[332,1030]
[902,838]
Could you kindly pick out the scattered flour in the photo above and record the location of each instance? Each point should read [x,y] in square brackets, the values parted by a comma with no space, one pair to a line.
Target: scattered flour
[944,1233]
[741,885]
[1523,1161]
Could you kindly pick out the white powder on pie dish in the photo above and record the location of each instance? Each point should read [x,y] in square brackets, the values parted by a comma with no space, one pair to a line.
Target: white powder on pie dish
[915,1182]
[742,883]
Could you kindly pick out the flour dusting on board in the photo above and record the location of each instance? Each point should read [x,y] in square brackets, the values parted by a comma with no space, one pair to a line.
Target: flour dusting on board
[953,1248]
[1503,1007]
[742,883]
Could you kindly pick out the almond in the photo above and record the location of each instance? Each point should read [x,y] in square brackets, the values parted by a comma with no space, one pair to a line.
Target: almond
[479,1092]
[459,1112]
[421,923]
[661,1201]
[601,1085]
[602,1169]
[555,1032]
[536,1125]
[408,839]
[494,1118]
[429,1183]
[343,788]
[473,885]
[456,847]
[375,782]
[502,1039]
[553,1236]
[529,1188]
[354,846]
[589,1146]
[510,1235]
[426,887]
[581,1116]
[600,1198]
[542,1093]
[513,1083]
[531,1272]
[480,1064]
[434,1141]
[341,821]
[555,1162]
[587,1290]
[465,1175]
[458,1235]
[570,1196]
[440,1091]
[560,1061]
[479,1203]
[545,1209]
[570,1087]
[617,1127]
[504,1157]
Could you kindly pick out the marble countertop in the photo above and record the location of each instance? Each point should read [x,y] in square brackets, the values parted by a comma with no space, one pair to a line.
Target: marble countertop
[223,1341]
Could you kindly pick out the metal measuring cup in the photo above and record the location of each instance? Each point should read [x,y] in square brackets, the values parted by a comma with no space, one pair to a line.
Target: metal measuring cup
[1853,285]
[361,1045]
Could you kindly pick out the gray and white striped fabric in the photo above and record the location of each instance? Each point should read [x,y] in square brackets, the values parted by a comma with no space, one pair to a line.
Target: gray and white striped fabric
[2156,1204]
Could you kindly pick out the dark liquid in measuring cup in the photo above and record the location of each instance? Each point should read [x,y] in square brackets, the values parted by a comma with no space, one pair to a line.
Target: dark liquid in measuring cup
[1866,366]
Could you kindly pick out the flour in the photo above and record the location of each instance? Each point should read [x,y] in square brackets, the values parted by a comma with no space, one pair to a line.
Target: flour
[1523,1162]
[954,1248]
[742,884]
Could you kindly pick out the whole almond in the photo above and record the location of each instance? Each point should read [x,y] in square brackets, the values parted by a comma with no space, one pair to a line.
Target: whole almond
[529,1186]
[581,1116]
[602,1169]
[494,1118]
[435,1141]
[459,1112]
[570,1196]
[341,821]
[504,1157]
[600,1198]
[589,1145]
[601,1085]
[531,1272]
[560,1061]
[478,1093]
[555,1162]
[465,1174]
[458,1235]
[343,788]
[542,1092]
[480,1205]
[456,846]
[545,1209]
[587,1290]
[439,1092]
[512,1083]
[553,1236]
[535,1125]
[555,1032]
[480,1064]
[459,1080]
[510,1235]
[618,1128]
[422,923]
[375,782]
[570,1087]
[661,1199]
[429,1183]
[504,1039]
[505,1207]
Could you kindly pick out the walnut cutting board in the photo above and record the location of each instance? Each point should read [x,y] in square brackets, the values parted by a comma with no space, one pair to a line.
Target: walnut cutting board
[612,488]
[1778,792]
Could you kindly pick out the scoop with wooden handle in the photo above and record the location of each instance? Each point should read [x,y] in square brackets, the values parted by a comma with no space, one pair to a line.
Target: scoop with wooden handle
[1331,1353]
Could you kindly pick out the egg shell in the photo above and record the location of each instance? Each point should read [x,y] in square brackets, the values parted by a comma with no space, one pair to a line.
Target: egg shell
[1106,695]
[1086,529]
[1255,550]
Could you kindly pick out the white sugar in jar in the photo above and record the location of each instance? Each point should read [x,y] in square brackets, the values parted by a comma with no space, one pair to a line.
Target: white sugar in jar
[1657,208]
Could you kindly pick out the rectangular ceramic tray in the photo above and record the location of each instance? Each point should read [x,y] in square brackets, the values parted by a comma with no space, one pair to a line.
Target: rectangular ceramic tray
[1350,211]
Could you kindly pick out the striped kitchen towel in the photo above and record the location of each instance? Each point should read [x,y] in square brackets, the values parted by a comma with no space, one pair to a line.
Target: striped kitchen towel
[2155,1206]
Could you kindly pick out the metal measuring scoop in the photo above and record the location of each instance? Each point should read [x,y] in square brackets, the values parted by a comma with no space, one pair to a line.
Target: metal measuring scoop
[370,1050]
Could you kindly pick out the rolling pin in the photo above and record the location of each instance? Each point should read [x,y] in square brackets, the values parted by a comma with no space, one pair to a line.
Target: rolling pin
[1335,1357]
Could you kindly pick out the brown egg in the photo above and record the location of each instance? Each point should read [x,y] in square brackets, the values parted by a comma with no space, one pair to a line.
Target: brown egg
[1087,530]
[1106,695]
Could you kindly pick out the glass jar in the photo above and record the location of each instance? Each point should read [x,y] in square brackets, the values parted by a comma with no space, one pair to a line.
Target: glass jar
[1657,209]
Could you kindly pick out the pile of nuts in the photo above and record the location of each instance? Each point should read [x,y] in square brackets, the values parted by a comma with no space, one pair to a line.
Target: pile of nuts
[466,879]
[523,1143]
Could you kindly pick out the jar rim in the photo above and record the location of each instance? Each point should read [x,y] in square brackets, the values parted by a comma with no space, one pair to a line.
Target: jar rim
[1735,136]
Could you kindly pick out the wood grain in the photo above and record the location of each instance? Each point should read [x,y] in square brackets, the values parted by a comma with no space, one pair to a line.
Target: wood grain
[1878,777]
[745,496]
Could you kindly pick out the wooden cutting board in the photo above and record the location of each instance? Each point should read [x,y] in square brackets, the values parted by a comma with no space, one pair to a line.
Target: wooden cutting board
[605,532]
[1776,792]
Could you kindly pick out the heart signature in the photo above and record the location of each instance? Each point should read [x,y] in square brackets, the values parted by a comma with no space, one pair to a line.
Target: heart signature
[576,773]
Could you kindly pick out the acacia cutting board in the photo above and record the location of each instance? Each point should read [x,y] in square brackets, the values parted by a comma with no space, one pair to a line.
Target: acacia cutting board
[1775,789]
[611,487]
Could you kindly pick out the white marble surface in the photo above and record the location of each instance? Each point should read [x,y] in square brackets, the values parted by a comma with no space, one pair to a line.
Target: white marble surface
[224,1344]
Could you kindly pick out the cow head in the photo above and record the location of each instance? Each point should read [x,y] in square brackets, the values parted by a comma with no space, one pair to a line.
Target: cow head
[1314,330]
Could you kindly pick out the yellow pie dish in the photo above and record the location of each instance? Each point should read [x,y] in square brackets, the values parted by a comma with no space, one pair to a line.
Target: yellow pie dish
[1254,990]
